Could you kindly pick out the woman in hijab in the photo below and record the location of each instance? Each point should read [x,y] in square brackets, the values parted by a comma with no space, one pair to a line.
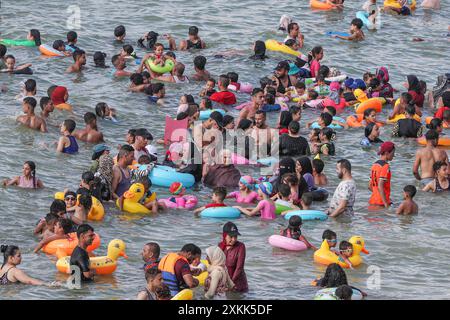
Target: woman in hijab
[414,89]
[303,168]
[59,97]
[218,280]
[105,173]
[235,256]
[285,119]
[222,174]
[260,50]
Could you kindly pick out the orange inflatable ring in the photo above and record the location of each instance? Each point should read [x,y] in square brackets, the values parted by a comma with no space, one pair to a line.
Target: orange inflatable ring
[443,141]
[316,4]
[64,106]
[356,121]
[444,124]
[46,50]
[372,103]
[64,247]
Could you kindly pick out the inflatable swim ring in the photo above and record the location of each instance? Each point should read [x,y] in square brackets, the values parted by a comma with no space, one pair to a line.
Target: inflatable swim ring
[315,125]
[205,114]
[308,215]
[337,33]
[316,4]
[269,162]
[221,213]
[184,202]
[356,121]
[443,141]
[401,116]
[47,50]
[325,256]
[282,206]
[102,265]
[372,103]
[65,247]
[329,294]
[97,211]
[444,124]
[395,4]
[167,67]
[18,42]
[286,243]
[131,200]
[185,294]
[274,45]
[364,16]
[163,176]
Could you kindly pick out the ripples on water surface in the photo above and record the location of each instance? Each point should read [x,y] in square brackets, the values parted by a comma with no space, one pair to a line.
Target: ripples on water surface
[411,251]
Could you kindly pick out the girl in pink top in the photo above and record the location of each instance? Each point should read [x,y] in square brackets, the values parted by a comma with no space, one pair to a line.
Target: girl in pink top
[266,207]
[316,56]
[28,180]
[245,193]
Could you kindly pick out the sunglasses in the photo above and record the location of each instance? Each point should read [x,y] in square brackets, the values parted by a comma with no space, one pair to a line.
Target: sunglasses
[70,198]
[346,251]
[334,240]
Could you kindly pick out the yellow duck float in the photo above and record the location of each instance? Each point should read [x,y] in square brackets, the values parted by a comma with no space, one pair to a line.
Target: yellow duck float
[97,211]
[102,265]
[186,294]
[325,256]
[131,199]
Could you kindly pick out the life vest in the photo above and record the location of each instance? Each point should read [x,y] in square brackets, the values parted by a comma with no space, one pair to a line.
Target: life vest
[167,267]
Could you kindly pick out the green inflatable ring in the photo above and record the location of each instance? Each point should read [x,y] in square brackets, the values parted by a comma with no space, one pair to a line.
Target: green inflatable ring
[280,208]
[168,66]
[20,42]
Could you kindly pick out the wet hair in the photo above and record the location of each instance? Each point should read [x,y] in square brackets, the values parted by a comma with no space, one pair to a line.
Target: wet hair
[30,85]
[259,50]
[345,164]
[182,116]
[305,163]
[294,127]
[87,177]
[163,292]
[434,123]
[192,109]
[65,224]
[227,119]
[36,35]
[295,109]
[368,129]
[264,82]
[329,235]
[291,26]
[200,62]
[179,68]
[137,79]
[154,248]
[212,80]
[157,87]
[255,91]
[57,206]
[289,42]
[320,77]
[189,98]
[221,192]
[437,165]
[313,94]
[83,228]
[77,53]
[115,58]
[224,80]
[8,251]
[431,135]
[324,71]
[207,103]
[410,109]
[411,190]
[307,198]
[367,112]
[85,201]
[367,76]
[233,76]
[128,48]
[124,151]
[358,23]
[327,118]
[328,133]
[58,44]
[407,97]
[119,31]
[244,124]
[44,101]
[9,56]
[171,54]
[270,98]
[284,190]
[100,109]
[285,119]
[72,36]
[374,82]
[193,31]
[32,166]
[30,101]
[192,249]
[334,276]
[51,217]
[261,112]
[295,223]
[70,125]
[89,117]
[344,245]
[332,110]
[344,292]
[3,50]
[151,274]
[318,165]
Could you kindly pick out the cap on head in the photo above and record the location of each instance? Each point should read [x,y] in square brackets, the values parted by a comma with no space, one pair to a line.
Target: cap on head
[386,147]
[283,65]
[231,229]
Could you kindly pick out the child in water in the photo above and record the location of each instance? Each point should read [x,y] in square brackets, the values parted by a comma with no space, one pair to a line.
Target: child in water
[442,181]
[283,197]
[356,33]
[320,179]
[245,193]
[371,8]
[208,90]
[330,237]
[61,230]
[67,143]
[103,111]
[82,209]
[326,145]
[345,252]
[218,196]
[61,47]
[408,206]
[266,207]
[293,231]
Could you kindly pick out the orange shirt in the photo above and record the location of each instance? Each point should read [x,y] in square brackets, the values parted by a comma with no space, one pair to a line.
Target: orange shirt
[380,170]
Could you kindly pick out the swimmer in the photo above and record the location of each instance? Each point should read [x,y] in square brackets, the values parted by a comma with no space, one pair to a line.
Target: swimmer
[427,157]
[67,143]
[292,181]
[245,193]
[356,33]
[72,39]
[103,111]
[371,135]
[218,196]
[79,57]
[441,181]
[127,52]
[119,33]
[431,4]
[408,206]
[61,231]
[176,76]
[370,6]
[28,179]
[293,231]
[60,46]
[194,41]
[257,101]
[82,209]
[408,127]
[320,179]
[337,4]
[223,96]
[10,63]
[331,238]
[345,252]
[3,51]
[90,133]
[326,145]
[29,90]
[158,92]
[120,65]
[208,89]
[201,74]
[294,33]
[47,107]
[137,83]
[404,10]
[283,197]
[266,207]
[150,254]
[153,277]
[31,120]
[70,199]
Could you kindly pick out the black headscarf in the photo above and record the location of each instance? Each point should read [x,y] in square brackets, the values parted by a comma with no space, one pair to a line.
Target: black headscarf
[413,83]
[285,119]
[260,50]
[446,99]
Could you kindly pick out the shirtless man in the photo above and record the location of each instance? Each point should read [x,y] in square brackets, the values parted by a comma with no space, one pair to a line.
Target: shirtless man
[90,133]
[194,41]
[263,135]
[30,119]
[256,103]
[119,64]
[79,56]
[201,74]
[46,106]
[427,157]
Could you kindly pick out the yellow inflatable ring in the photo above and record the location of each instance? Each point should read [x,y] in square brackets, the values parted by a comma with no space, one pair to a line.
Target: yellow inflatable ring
[395,4]
[202,276]
[274,45]
[186,294]
[325,256]
[131,200]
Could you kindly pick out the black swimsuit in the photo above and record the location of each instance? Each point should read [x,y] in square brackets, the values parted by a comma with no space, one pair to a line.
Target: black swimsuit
[281,88]
[191,45]
[4,278]
[439,188]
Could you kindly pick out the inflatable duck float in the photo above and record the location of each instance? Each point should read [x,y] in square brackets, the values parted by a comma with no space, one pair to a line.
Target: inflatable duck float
[131,199]
[97,211]
[325,256]
[102,265]
[186,294]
